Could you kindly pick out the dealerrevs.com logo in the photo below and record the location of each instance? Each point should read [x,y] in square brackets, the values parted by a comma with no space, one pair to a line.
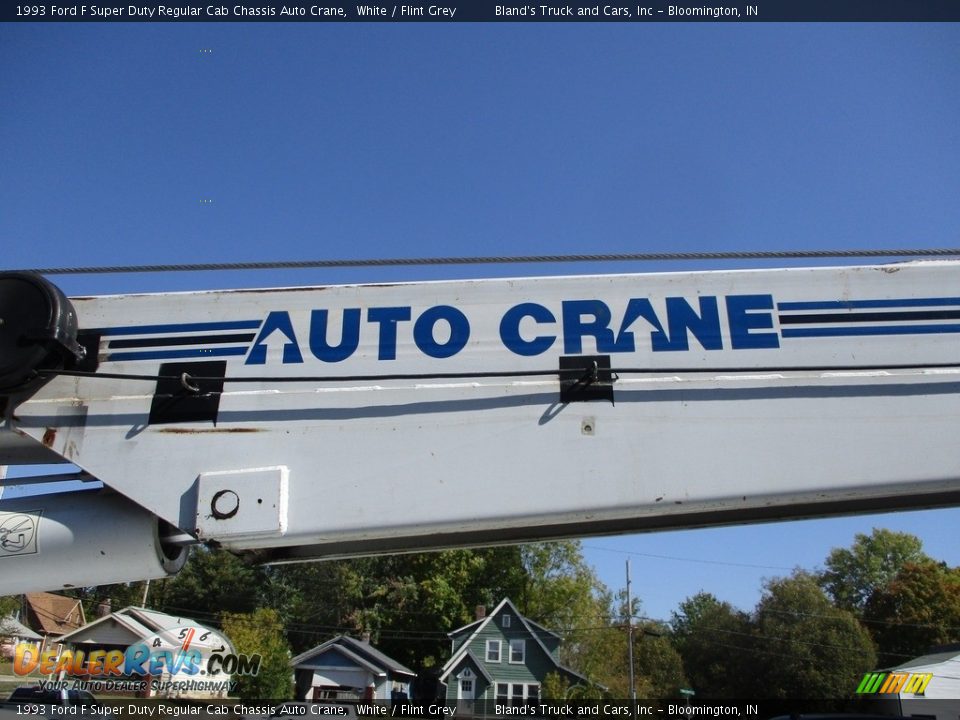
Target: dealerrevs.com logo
[182,654]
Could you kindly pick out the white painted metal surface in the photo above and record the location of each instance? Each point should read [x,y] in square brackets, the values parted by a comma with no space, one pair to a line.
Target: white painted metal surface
[80,539]
[772,394]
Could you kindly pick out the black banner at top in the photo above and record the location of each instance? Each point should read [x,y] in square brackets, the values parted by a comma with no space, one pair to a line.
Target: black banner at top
[614,11]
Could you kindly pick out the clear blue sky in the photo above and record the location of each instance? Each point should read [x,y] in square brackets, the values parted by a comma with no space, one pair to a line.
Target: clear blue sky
[333,141]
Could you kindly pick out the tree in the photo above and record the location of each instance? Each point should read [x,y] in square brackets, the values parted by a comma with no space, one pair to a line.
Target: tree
[10,605]
[406,603]
[806,647]
[261,633]
[557,582]
[310,599]
[916,610]
[657,664]
[409,602]
[853,574]
[115,596]
[715,642]
[562,592]
[555,687]
[211,582]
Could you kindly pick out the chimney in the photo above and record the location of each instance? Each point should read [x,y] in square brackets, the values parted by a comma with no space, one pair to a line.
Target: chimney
[103,608]
[480,612]
[365,637]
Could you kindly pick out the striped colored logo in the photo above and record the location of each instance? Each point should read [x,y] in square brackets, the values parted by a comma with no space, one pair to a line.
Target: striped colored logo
[881,683]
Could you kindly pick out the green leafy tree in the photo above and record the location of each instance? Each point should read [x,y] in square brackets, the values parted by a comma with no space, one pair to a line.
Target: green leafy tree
[806,647]
[555,687]
[557,582]
[261,633]
[658,666]
[407,603]
[562,592]
[310,599]
[715,642]
[600,654]
[917,610]
[853,574]
[10,605]
[558,688]
[212,581]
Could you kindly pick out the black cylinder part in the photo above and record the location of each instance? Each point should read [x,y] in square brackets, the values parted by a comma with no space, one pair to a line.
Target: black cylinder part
[38,331]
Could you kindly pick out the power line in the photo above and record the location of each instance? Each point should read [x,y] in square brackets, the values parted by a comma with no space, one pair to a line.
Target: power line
[861,620]
[499,260]
[687,559]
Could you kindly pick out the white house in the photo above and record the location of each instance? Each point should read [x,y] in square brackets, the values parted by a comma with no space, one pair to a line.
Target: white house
[13,633]
[345,668]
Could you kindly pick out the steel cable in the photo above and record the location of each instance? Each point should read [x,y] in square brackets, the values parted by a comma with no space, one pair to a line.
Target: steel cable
[500,260]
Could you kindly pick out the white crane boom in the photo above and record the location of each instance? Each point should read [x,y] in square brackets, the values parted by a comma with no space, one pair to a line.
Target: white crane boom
[302,423]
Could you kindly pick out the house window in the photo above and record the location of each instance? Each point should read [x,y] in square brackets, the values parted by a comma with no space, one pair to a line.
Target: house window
[517,651]
[493,651]
[505,622]
[517,693]
[466,684]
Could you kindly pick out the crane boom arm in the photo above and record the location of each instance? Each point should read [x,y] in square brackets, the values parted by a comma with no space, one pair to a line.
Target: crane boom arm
[299,423]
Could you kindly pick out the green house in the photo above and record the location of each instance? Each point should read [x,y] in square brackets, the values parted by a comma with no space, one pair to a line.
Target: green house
[502,657]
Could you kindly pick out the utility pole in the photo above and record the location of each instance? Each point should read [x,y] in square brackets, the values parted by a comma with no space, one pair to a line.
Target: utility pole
[633,685]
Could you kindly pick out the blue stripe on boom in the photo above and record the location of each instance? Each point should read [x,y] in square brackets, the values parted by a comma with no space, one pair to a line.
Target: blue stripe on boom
[180,327]
[843,304]
[174,354]
[876,330]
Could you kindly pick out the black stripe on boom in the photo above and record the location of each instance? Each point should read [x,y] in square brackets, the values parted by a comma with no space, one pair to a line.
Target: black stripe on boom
[182,340]
[868,317]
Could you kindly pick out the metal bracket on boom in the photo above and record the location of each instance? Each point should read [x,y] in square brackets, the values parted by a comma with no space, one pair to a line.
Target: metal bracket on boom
[188,392]
[585,377]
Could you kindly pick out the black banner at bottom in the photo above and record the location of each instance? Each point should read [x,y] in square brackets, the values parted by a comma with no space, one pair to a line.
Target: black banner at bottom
[864,708]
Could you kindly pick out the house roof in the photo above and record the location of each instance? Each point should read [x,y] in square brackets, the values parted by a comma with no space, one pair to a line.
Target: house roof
[361,651]
[506,602]
[476,623]
[478,626]
[537,625]
[465,656]
[579,675]
[938,655]
[56,614]
[465,627]
[11,627]
[140,622]
[343,651]
[120,618]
